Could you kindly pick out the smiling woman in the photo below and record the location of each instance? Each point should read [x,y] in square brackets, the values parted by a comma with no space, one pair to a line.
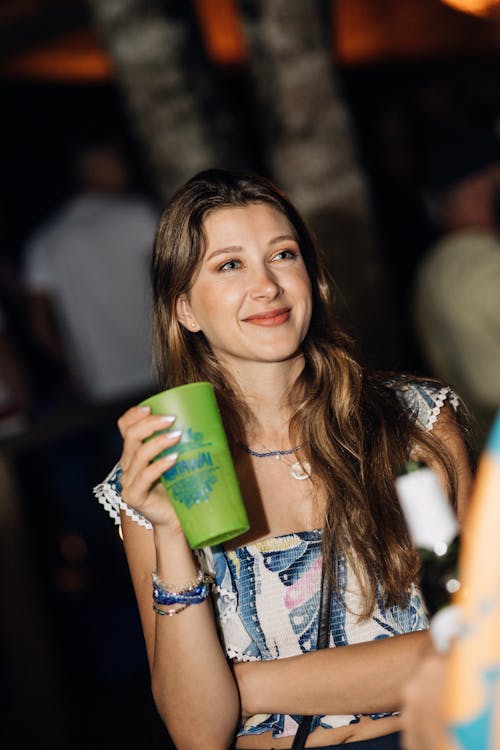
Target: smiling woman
[252,277]
[242,300]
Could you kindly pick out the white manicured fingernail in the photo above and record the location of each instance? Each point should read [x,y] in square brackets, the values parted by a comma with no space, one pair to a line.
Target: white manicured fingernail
[171,457]
[167,419]
[175,433]
[144,409]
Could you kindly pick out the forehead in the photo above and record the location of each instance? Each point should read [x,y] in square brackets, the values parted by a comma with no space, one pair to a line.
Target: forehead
[231,225]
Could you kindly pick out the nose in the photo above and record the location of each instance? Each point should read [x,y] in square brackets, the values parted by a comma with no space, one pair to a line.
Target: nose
[264,284]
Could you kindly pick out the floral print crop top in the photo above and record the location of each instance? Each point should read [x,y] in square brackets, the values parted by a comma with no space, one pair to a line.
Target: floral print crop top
[266,594]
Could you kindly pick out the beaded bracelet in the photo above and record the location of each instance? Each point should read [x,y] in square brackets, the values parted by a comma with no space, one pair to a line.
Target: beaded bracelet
[194,596]
[169,612]
[194,592]
[168,587]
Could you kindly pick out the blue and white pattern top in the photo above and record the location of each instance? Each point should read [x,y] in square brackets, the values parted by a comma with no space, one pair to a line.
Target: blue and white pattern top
[267,593]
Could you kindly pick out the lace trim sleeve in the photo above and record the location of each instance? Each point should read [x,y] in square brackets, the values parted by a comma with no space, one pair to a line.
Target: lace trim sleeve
[424,400]
[108,493]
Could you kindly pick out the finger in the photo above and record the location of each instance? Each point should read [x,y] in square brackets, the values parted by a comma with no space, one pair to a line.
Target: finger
[150,450]
[131,416]
[136,493]
[144,428]
[137,432]
[153,473]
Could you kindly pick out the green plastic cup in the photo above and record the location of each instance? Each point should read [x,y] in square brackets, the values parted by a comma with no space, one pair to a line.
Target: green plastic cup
[202,485]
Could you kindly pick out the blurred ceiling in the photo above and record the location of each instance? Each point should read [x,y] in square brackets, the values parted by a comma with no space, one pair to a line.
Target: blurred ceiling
[56,39]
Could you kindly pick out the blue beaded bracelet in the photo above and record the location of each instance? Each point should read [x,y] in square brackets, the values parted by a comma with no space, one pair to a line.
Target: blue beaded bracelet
[194,596]
[194,592]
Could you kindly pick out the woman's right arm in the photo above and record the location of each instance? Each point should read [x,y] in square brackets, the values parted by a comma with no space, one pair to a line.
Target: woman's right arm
[192,683]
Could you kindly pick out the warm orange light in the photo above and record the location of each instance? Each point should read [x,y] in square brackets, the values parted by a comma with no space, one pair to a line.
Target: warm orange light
[80,56]
[76,57]
[409,30]
[222,32]
[488,8]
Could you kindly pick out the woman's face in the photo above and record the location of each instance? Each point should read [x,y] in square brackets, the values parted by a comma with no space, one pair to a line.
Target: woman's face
[252,295]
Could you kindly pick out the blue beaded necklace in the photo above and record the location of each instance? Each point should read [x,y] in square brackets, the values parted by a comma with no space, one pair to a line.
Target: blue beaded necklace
[298,469]
[270,454]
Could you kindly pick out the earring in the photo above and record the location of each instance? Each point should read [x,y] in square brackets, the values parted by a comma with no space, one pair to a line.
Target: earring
[193,325]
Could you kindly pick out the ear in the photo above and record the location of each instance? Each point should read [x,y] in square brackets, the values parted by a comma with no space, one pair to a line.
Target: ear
[185,315]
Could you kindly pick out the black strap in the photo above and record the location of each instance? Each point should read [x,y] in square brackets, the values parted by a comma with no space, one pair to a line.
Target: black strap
[325,612]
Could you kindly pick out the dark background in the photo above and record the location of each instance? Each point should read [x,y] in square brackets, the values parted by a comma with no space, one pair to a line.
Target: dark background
[80,680]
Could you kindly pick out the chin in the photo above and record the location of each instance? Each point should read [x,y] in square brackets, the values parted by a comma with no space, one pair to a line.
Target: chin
[279,355]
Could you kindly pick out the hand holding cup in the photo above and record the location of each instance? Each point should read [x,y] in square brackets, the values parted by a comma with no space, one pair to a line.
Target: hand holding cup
[201,483]
[145,436]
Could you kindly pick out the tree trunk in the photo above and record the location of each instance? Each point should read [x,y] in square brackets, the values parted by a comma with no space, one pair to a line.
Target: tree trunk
[150,42]
[311,154]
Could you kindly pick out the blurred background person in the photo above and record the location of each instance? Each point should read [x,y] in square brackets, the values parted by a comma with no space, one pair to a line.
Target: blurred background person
[86,276]
[423,727]
[187,86]
[457,289]
[87,279]
[422,715]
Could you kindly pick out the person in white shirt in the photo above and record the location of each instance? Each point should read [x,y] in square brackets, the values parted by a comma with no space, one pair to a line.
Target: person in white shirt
[88,279]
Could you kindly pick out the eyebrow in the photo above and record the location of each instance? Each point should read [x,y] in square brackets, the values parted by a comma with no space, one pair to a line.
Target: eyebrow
[239,248]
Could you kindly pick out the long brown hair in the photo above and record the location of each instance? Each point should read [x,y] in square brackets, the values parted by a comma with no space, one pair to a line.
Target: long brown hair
[355,433]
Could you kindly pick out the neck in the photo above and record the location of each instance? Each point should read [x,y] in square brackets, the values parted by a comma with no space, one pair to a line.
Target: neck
[265,387]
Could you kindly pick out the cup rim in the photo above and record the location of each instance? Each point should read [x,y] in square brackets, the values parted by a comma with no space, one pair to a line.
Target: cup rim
[176,388]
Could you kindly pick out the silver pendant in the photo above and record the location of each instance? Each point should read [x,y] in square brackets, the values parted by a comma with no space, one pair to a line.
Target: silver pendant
[300,470]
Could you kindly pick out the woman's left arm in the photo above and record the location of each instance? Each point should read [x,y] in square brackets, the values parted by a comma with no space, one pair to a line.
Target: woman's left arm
[360,678]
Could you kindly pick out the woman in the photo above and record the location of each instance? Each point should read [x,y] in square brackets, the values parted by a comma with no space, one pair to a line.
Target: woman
[242,300]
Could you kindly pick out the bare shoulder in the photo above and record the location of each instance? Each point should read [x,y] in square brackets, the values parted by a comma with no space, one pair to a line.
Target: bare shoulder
[447,431]
[435,407]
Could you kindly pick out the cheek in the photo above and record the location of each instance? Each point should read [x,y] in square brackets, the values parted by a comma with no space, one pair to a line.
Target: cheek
[309,303]
[306,292]
[211,305]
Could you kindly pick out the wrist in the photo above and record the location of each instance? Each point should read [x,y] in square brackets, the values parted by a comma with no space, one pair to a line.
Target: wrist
[168,533]
[171,599]
[245,674]
[175,561]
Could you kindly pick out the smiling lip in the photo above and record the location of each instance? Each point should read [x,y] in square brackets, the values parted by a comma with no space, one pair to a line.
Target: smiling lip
[271,318]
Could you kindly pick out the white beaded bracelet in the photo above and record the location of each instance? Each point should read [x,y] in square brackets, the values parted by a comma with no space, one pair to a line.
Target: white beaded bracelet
[174,590]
